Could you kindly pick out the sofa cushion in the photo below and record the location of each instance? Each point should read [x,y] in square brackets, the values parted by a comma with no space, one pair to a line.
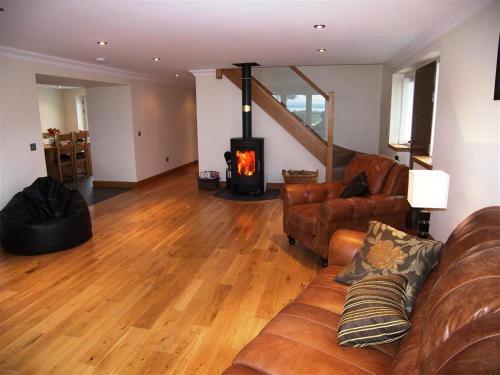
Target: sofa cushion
[305,217]
[241,370]
[305,332]
[387,250]
[374,311]
[278,355]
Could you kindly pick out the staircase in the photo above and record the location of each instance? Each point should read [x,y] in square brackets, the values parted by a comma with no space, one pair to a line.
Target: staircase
[269,96]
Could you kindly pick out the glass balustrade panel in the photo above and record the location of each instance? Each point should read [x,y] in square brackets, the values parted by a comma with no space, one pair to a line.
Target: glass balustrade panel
[296,95]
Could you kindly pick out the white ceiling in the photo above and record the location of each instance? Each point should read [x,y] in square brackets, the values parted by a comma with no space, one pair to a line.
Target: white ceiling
[190,35]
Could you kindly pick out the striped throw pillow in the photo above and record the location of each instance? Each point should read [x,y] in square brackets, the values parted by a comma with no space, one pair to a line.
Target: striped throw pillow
[374,311]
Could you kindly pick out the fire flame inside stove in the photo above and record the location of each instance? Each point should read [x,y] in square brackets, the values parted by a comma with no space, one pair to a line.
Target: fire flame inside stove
[245,163]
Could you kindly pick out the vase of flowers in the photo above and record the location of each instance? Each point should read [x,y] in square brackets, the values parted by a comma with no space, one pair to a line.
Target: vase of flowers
[53,133]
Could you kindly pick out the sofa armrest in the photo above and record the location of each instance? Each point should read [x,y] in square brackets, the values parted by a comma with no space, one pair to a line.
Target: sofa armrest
[343,246]
[293,194]
[390,204]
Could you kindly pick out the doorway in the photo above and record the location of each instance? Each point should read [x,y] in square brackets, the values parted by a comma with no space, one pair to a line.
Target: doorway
[68,139]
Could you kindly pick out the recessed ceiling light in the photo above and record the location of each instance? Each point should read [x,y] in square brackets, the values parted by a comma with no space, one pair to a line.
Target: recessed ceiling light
[156,59]
[1,9]
[100,60]
[102,43]
[319,26]
[321,50]
[177,75]
[60,87]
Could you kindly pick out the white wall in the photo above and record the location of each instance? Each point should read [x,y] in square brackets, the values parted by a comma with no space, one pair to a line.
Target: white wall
[166,118]
[358,96]
[219,119]
[385,111]
[20,118]
[58,108]
[467,131]
[71,115]
[52,108]
[19,126]
[111,129]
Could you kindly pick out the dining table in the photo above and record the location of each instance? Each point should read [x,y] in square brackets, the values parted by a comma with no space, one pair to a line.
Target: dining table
[51,160]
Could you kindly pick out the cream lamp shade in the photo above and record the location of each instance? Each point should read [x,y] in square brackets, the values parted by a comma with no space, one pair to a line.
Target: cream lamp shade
[428,189]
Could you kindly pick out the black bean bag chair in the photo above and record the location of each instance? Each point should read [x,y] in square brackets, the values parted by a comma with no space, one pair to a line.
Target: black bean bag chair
[43,218]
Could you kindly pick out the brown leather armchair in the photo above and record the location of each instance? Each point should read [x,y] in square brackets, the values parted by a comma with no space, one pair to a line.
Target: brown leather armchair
[313,212]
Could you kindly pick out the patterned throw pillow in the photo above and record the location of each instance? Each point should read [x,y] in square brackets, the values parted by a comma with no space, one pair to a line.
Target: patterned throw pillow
[386,251]
[374,312]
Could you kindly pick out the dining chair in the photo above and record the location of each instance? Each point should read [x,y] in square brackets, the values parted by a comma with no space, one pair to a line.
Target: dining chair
[82,152]
[65,156]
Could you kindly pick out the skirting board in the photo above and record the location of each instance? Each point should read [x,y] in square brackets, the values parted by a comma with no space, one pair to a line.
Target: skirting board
[114,184]
[132,185]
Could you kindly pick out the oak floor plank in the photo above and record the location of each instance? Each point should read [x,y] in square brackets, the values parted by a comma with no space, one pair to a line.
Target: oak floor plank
[174,281]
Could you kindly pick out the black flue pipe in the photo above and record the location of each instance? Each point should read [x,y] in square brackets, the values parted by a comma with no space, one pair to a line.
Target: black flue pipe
[246,99]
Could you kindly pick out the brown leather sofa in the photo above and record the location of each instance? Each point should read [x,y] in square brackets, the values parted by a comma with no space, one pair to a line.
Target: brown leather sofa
[455,321]
[313,212]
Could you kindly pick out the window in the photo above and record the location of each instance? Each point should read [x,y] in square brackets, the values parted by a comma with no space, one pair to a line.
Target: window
[297,105]
[406,109]
[413,108]
[318,110]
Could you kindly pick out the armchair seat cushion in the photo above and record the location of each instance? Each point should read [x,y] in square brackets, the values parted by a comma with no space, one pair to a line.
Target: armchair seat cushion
[305,217]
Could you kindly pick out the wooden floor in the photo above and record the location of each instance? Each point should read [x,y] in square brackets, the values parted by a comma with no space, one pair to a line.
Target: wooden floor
[174,281]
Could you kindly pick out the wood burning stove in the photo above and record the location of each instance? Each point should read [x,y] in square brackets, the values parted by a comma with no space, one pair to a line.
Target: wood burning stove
[247,167]
[247,152]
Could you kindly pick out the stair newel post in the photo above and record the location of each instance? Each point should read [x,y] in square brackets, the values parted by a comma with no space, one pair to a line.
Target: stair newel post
[330,123]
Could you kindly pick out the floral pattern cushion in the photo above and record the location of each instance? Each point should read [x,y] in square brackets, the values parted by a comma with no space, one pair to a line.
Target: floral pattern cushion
[387,251]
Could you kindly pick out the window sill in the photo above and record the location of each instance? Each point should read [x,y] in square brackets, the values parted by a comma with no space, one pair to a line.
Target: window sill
[399,147]
[424,161]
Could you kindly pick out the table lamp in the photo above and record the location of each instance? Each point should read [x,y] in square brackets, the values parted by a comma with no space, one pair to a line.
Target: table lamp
[427,190]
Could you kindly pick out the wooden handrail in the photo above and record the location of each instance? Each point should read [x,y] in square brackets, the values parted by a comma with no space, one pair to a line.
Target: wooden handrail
[309,82]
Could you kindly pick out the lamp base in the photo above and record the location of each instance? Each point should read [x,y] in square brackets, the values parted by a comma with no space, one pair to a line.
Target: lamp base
[424,217]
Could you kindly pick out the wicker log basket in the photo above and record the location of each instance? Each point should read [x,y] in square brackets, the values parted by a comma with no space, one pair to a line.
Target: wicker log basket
[300,177]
